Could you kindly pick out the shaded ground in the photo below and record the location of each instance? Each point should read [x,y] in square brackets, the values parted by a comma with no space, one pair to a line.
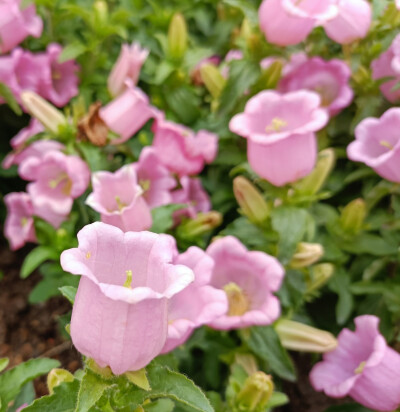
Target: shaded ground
[30,331]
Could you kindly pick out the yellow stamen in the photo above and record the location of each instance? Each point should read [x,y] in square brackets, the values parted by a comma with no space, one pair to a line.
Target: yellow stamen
[145,185]
[59,179]
[239,303]
[24,221]
[360,368]
[128,282]
[120,204]
[88,255]
[386,144]
[56,75]
[276,125]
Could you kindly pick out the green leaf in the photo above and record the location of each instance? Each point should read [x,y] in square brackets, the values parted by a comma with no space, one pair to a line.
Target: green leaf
[12,381]
[162,217]
[26,396]
[166,384]
[62,400]
[7,95]
[184,102]
[340,283]
[370,244]
[91,389]
[246,7]
[72,51]
[139,378]
[3,363]
[69,292]
[291,224]
[265,343]
[277,399]
[35,258]
[162,405]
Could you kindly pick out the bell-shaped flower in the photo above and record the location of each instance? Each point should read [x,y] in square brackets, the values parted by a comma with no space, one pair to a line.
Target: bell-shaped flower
[34,127]
[16,24]
[127,113]
[377,144]
[57,180]
[196,305]
[180,149]
[387,65]
[289,22]
[280,129]
[118,198]
[58,82]
[352,22]
[154,178]
[18,227]
[363,366]
[128,66]
[120,314]
[330,79]
[249,280]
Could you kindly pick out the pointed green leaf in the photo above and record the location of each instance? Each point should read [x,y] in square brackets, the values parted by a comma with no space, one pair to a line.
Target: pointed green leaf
[69,292]
[36,257]
[7,95]
[91,389]
[72,51]
[139,378]
[3,363]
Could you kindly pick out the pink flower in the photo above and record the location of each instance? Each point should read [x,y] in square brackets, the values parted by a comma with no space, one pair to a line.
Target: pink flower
[57,180]
[352,22]
[288,22]
[193,194]
[127,114]
[154,178]
[388,65]
[181,150]
[118,198]
[20,71]
[34,128]
[363,366]
[377,144]
[196,305]
[248,279]
[280,131]
[397,2]
[120,312]
[36,149]
[16,24]
[330,79]
[18,227]
[58,82]
[128,66]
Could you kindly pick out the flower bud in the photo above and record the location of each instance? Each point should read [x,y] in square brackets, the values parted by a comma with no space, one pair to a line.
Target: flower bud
[42,110]
[320,275]
[311,184]
[250,200]
[247,361]
[177,36]
[57,377]
[203,223]
[306,254]
[213,79]
[352,216]
[256,392]
[100,9]
[304,338]
[271,76]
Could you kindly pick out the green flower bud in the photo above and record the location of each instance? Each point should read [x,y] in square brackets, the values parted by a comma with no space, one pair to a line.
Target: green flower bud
[304,338]
[320,275]
[311,184]
[100,8]
[212,79]
[352,216]
[250,200]
[42,110]
[56,377]
[306,254]
[177,37]
[203,223]
[256,392]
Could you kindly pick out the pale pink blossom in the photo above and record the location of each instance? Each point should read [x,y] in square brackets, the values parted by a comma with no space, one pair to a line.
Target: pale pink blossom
[154,178]
[16,24]
[377,144]
[397,2]
[128,66]
[249,280]
[330,79]
[289,22]
[352,22]
[196,305]
[120,314]
[127,113]
[180,149]
[280,129]
[58,82]
[119,200]
[192,193]
[363,366]
[57,180]
[34,127]
[18,227]
[388,65]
